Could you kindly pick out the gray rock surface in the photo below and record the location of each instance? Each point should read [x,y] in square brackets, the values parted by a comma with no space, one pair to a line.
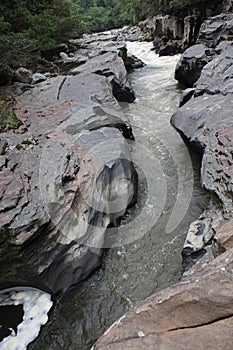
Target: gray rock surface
[217,76]
[134,33]
[206,122]
[112,67]
[216,29]
[38,78]
[65,177]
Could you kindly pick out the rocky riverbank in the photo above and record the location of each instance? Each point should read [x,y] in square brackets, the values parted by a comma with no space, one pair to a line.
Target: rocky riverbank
[65,165]
[205,121]
[198,311]
[173,33]
[56,158]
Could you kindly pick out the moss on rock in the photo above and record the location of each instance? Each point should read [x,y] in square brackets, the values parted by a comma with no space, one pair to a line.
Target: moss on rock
[8,119]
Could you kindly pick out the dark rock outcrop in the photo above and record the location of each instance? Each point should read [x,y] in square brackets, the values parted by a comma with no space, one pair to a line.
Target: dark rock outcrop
[160,26]
[212,32]
[189,67]
[168,49]
[216,29]
[182,29]
[66,175]
[167,33]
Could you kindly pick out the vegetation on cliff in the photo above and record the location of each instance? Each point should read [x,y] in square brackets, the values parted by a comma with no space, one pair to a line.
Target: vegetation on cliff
[29,28]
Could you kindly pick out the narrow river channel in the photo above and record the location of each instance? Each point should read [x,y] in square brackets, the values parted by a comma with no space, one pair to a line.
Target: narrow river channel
[170,197]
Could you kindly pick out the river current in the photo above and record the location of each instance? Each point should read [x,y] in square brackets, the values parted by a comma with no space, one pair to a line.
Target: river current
[169,199]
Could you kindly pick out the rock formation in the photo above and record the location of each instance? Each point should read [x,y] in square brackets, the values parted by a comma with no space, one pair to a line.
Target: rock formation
[196,312]
[175,32]
[66,170]
[213,31]
[204,119]
[192,314]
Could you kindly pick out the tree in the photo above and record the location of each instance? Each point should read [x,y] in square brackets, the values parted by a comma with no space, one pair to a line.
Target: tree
[30,27]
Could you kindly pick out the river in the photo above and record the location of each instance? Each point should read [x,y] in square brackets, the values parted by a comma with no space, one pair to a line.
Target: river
[153,232]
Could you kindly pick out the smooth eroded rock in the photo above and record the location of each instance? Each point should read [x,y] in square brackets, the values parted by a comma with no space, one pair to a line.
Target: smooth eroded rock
[206,122]
[190,314]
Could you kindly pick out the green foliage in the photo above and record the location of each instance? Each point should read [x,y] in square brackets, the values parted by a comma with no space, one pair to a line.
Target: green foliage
[97,18]
[4,26]
[17,49]
[129,11]
[7,115]
[177,7]
[30,27]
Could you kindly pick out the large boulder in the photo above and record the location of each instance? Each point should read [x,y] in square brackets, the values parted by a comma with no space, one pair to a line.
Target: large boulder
[191,314]
[112,67]
[23,75]
[190,65]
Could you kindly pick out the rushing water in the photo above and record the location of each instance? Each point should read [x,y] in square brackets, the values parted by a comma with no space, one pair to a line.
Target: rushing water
[150,258]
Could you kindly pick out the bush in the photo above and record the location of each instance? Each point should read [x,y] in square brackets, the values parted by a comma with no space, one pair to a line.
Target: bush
[18,50]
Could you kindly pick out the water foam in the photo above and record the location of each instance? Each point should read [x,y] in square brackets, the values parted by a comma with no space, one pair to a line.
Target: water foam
[36,305]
